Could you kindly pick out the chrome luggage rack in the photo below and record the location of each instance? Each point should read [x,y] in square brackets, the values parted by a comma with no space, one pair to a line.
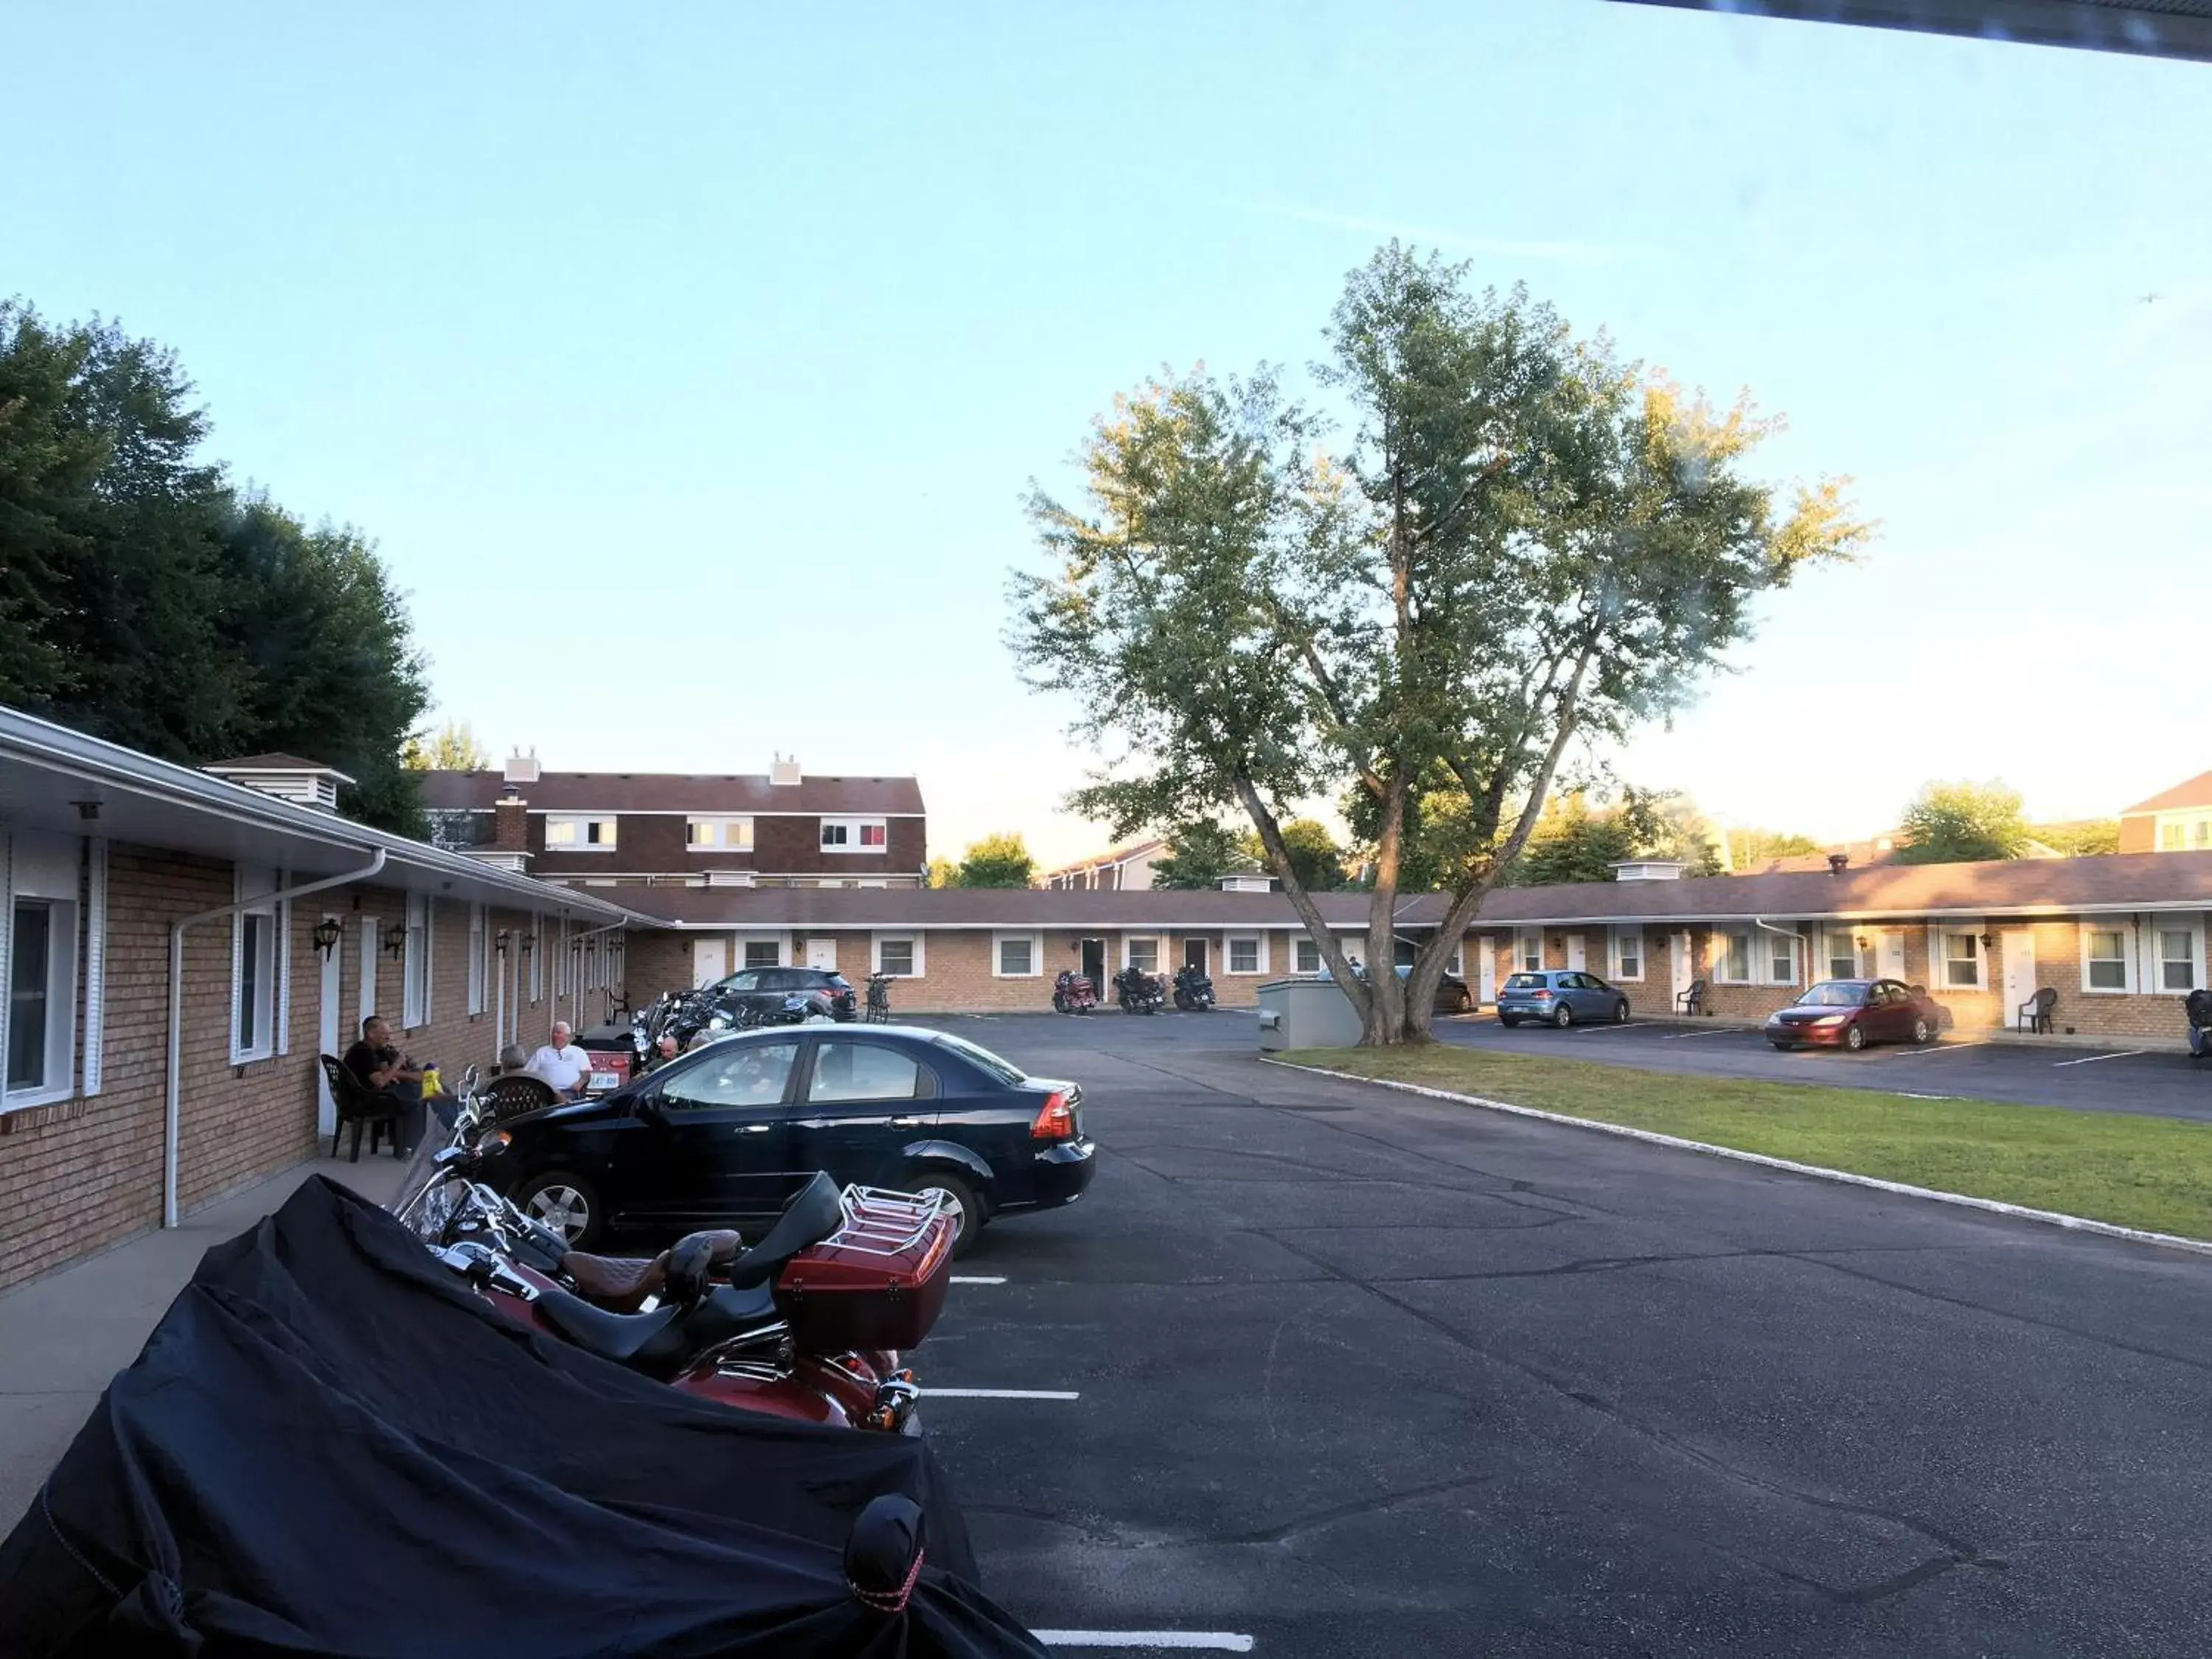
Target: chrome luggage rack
[880,1222]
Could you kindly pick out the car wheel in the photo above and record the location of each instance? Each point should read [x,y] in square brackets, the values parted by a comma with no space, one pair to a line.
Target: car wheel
[1463,1003]
[1854,1038]
[1784,1047]
[1508,1022]
[1620,1012]
[960,1198]
[1923,1032]
[1563,1017]
[567,1203]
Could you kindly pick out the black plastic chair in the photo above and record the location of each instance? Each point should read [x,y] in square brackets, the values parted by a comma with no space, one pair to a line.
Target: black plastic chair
[1692,1001]
[2034,1015]
[363,1107]
[514,1095]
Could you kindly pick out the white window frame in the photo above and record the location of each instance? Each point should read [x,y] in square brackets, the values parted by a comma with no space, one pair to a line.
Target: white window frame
[1836,942]
[729,833]
[1299,944]
[479,937]
[43,870]
[2193,827]
[1940,935]
[415,963]
[2125,927]
[1724,941]
[2167,922]
[914,936]
[1772,944]
[1258,941]
[1159,944]
[1000,938]
[582,824]
[259,884]
[1613,965]
[537,959]
[1527,942]
[742,941]
[851,831]
[95,963]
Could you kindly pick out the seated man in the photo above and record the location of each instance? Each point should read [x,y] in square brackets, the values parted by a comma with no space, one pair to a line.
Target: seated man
[382,1070]
[562,1063]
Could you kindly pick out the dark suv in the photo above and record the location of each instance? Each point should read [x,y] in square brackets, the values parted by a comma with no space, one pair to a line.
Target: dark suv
[830,991]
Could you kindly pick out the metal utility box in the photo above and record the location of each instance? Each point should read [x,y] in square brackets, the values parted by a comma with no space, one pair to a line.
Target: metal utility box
[1306,1013]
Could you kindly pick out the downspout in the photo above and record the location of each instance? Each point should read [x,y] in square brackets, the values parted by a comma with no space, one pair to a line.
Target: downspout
[174,1111]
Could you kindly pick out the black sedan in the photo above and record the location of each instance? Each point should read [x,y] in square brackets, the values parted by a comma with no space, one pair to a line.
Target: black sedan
[723,1135]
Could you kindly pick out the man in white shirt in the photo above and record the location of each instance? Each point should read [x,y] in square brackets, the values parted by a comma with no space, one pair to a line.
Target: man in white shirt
[561,1063]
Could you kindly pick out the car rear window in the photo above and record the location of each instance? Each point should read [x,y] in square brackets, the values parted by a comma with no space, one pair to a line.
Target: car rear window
[1524,982]
[1004,1071]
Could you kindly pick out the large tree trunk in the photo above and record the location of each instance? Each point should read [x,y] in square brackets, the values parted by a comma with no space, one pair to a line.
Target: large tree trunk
[1383,1023]
[1279,856]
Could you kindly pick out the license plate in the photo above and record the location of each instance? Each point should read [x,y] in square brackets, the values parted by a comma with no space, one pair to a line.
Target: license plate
[604,1080]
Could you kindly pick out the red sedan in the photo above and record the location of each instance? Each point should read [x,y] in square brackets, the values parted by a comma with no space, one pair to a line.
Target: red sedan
[1849,1013]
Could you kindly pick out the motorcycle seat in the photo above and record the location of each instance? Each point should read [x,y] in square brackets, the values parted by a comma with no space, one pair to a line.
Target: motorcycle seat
[659,1342]
[621,1284]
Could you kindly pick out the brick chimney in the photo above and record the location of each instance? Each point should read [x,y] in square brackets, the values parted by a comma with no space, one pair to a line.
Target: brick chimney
[510,823]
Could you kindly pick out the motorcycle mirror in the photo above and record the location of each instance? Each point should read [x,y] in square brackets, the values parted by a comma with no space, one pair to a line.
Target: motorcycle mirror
[448,1156]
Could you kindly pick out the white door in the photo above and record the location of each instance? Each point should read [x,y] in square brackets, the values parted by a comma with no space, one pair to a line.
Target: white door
[1893,953]
[1485,959]
[1678,961]
[367,967]
[333,1021]
[822,953]
[2018,944]
[1575,959]
[710,961]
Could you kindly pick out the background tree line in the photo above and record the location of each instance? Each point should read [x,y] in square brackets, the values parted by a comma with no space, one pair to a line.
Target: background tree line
[145,599]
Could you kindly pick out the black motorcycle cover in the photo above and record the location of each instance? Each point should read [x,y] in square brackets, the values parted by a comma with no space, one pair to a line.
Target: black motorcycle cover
[329,1446]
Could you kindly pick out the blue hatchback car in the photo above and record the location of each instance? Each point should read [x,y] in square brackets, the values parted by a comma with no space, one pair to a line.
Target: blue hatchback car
[1559,996]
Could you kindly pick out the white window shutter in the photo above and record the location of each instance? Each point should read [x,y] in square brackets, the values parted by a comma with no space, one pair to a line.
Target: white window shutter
[283,969]
[237,963]
[95,959]
[7,925]
[429,956]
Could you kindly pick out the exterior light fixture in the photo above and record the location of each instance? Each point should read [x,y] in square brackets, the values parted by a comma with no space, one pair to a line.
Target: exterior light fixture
[326,936]
[87,809]
[395,940]
[499,940]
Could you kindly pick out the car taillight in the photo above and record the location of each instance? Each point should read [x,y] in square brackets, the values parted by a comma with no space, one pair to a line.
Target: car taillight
[1540,995]
[1056,1120]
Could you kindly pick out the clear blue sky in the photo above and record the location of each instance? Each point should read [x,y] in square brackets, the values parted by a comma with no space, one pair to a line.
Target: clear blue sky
[728,337]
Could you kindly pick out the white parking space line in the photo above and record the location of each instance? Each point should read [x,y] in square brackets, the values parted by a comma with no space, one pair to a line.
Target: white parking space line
[1617,1025]
[1717,1030]
[1907,1094]
[1924,1053]
[2091,1059]
[1212,1641]
[979,1278]
[998,1394]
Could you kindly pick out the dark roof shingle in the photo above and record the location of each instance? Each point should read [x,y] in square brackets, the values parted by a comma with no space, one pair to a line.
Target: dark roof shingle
[2198,792]
[675,792]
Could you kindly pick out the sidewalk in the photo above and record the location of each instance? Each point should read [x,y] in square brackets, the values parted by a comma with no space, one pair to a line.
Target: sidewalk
[62,1336]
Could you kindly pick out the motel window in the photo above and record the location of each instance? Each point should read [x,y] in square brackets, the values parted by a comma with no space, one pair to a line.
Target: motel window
[1243,956]
[253,958]
[1962,961]
[1628,954]
[1143,954]
[719,834]
[476,945]
[853,835]
[2177,959]
[535,938]
[1015,956]
[1782,960]
[2104,958]
[1528,952]
[42,994]
[2177,835]
[1736,959]
[415,965]
[580,835]
[1843,956]
[764,953]
[900,958]
[1306,955]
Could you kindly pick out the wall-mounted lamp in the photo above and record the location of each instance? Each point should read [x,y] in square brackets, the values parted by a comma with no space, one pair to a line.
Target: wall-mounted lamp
[529,944]
[1989,941]
[87,809]
[395,940]
[499,940]
[1860,941]
[326,936]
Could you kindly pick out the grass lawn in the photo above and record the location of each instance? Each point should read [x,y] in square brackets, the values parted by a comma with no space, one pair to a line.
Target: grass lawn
[2137,1172]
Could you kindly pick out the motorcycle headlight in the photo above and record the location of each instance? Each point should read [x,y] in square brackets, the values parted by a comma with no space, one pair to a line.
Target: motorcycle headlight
[718,1023]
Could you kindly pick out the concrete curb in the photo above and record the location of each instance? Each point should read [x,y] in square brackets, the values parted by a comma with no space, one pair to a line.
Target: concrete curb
[1994,1207]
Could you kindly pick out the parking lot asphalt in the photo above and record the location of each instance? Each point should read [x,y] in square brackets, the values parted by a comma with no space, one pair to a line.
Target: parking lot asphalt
[2163,1083]
[1360,1373]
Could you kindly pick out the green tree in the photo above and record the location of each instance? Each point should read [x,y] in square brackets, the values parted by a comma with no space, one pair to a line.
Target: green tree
[1198,855]
[451,748]
[2090,838]
[1525,541]
[1750,848]
[1958,823]
[999,860]
[1571,843]
[1315,859]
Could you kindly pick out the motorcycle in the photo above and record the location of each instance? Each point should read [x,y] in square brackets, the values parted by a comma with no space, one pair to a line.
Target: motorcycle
[809,1322]
[1140,992]
[1194,990]
[1072,993]
[2198,1005]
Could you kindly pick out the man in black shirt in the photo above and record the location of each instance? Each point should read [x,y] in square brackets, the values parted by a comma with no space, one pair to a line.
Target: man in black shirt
[378,1065]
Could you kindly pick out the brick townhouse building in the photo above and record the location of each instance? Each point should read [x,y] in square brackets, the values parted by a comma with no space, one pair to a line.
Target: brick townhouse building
[778,829]
[2174,820]
[180,948]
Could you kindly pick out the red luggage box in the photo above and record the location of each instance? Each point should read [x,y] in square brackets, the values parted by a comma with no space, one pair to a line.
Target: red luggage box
[877,1282]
